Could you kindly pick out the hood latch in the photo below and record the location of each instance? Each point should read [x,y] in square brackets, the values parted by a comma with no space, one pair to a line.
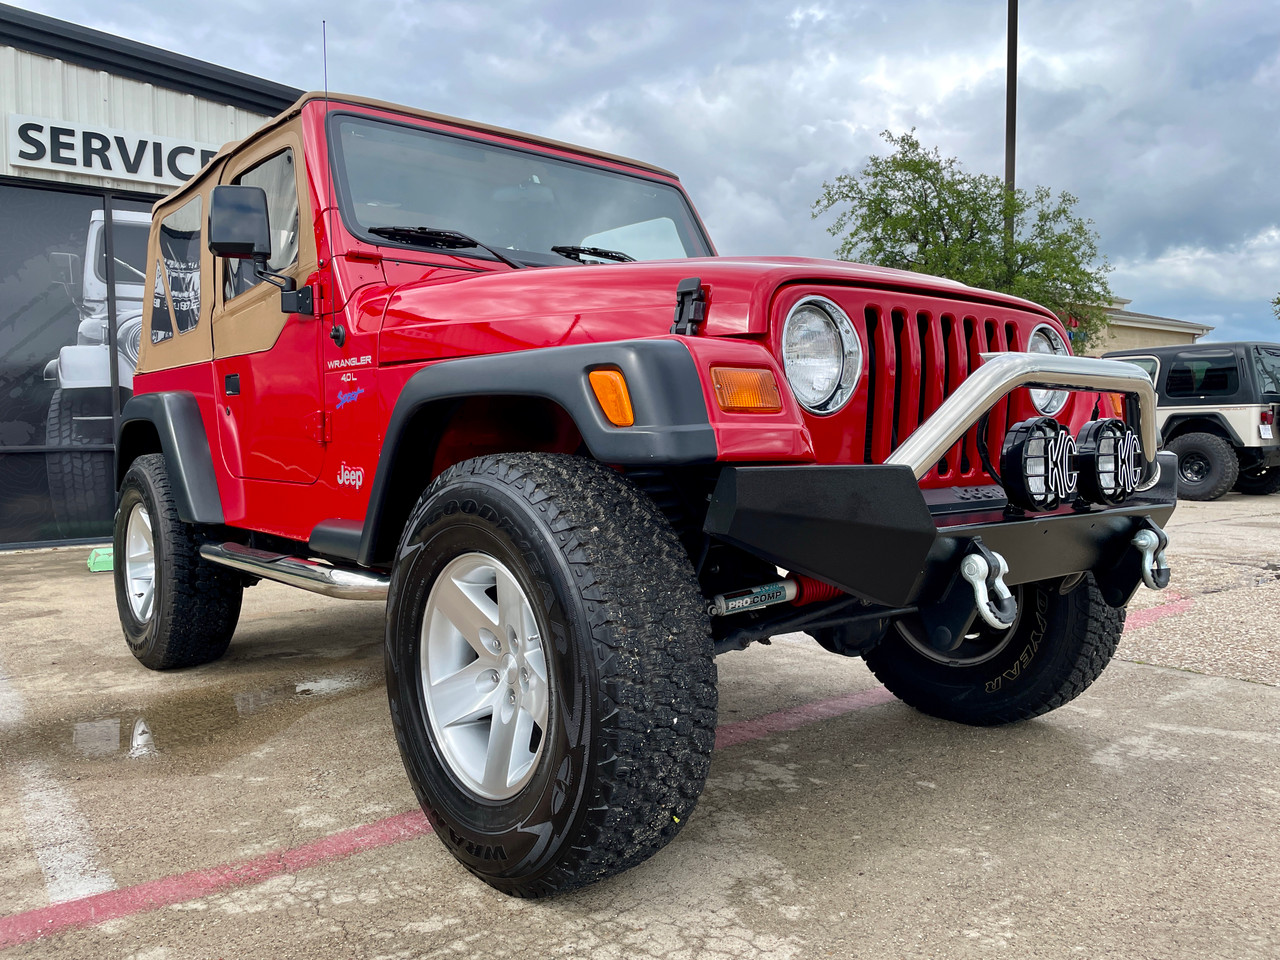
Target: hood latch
[691,306]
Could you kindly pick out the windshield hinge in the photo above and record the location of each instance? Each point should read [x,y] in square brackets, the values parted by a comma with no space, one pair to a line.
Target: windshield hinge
[691,306]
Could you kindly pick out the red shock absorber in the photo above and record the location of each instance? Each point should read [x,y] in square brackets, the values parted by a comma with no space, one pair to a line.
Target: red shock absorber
[809,590]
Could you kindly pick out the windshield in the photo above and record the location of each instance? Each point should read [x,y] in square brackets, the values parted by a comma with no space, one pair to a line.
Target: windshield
[129,245]
[522,203]
[1268,361]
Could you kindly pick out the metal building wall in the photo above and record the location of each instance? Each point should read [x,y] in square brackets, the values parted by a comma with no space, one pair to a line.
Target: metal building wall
[35,85]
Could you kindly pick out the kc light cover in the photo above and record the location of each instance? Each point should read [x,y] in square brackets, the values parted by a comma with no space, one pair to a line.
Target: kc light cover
[1037,464]
[1109,461]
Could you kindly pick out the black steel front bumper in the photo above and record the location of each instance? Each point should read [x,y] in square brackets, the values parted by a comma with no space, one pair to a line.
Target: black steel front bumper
[871,530]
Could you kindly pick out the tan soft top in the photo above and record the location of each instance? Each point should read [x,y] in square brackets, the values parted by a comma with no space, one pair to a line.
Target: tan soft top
[349,99]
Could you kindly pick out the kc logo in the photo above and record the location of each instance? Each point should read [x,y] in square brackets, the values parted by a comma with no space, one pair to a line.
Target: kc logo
[1128,472]
[351,476]
[1061,453]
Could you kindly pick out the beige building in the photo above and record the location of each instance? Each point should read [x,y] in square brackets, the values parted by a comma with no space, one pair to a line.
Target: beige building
[1127,330]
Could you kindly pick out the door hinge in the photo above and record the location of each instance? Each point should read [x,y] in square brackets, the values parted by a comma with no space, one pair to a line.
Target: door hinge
[319,427]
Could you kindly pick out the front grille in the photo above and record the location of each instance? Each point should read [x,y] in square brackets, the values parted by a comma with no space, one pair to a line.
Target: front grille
[917,357]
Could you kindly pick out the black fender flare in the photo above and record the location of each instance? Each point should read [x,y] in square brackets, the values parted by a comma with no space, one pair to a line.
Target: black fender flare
[1172,425]
[671,422]
[175,417]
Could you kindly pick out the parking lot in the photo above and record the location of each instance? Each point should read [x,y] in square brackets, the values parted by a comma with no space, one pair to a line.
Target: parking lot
[258,808]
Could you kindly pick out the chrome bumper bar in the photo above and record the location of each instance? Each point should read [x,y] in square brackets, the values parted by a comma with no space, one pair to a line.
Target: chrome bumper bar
[1002,372]
[345,583]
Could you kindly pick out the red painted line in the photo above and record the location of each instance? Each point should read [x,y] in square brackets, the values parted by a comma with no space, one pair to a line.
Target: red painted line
[144,897]
[744,731]
[1137,619]
[101,907]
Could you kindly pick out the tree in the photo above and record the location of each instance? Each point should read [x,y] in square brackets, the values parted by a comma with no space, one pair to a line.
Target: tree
[916,210]
[1275,305]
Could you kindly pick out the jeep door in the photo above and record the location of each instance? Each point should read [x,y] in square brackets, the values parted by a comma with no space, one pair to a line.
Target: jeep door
[266,362]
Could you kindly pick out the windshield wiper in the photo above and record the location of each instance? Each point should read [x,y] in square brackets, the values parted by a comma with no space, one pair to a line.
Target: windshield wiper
[433,237]
[575,252]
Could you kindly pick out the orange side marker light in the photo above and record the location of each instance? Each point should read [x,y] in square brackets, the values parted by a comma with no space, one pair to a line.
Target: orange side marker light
[610,388]
[746,390]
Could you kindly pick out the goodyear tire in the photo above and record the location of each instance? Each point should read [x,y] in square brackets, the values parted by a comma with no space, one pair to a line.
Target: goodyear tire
[1207,465]
[1259,481]
[177,609]
[1056,648]
[550,671]
[80,485]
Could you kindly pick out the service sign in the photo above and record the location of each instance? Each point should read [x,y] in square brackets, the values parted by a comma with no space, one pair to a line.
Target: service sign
[95,151]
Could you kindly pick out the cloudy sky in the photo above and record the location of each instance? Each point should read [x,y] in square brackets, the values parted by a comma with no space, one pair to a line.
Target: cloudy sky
[1162,116]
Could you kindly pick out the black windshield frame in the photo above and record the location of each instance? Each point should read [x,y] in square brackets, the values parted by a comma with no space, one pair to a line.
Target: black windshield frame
[693,233]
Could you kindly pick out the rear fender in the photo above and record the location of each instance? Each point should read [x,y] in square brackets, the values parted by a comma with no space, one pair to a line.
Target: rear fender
[169,422]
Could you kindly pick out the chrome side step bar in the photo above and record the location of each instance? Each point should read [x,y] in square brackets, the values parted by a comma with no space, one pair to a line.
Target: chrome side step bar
[345,583]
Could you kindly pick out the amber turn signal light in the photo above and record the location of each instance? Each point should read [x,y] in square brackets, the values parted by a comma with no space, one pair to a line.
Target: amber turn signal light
[610,388]
[746,390]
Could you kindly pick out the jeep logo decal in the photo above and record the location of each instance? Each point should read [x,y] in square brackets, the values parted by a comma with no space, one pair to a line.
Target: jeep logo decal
[350,476]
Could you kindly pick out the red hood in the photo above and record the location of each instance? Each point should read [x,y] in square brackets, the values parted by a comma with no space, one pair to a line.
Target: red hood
[548,306]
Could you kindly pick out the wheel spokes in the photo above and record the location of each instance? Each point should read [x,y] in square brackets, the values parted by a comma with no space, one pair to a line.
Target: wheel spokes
[468,608]
[140,563]
[500,754]
[466,695]
[484,676]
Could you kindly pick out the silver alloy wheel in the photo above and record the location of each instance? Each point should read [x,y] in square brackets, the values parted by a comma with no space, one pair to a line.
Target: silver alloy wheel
[140,563]
[484,676]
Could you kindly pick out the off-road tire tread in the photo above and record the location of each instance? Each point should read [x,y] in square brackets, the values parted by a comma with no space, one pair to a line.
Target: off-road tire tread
[1220,452]
[1262,486]
[80,484]
[653,651]
[1097,643]
[202,604]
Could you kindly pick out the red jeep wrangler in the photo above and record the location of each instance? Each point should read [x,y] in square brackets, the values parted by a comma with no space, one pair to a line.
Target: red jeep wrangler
[505,385]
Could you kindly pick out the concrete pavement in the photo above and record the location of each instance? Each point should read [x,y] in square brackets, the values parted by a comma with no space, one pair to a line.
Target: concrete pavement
[257,807]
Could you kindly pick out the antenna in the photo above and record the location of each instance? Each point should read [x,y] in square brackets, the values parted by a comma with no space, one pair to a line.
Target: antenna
[337,332]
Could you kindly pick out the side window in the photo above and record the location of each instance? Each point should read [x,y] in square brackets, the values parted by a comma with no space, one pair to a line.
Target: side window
[1203,377]
[176,303]
[276,177]
[1147,364]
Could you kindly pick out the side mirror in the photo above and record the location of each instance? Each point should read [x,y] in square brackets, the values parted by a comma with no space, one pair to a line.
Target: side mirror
[66,273]
[238,224]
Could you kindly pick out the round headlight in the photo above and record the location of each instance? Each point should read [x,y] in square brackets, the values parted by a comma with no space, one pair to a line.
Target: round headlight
[129,341]
[1045,339]
[821,354]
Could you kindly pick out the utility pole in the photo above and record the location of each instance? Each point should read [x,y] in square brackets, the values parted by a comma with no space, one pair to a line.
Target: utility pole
[1010,108]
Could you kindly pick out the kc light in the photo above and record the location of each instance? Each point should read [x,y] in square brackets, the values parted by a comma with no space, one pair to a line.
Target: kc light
[1037,464]
[821,354]
[1045,339]
[1109,461]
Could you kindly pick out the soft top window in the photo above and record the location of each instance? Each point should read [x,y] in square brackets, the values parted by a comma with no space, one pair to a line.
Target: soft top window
[177,273]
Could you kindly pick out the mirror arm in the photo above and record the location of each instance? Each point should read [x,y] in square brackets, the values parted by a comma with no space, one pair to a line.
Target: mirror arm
[292,300]
[263,272]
